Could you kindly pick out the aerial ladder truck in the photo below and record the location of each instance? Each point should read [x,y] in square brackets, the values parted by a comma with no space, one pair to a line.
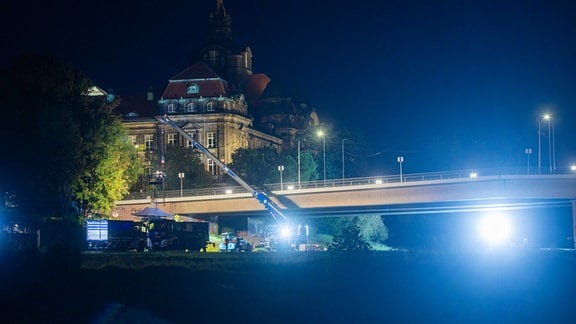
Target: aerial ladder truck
[270,206]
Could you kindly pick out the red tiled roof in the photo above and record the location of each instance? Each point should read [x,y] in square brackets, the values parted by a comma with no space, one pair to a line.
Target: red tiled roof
[212,88]
[137,103]
[210,84]
[197,71]
[255,86]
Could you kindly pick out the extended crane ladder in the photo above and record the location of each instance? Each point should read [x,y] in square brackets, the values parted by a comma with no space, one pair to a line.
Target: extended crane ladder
[272,208]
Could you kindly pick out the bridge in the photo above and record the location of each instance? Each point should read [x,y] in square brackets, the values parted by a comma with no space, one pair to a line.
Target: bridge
[387,195]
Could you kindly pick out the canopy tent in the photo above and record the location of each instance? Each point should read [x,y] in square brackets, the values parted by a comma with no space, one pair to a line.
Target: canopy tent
[153,212]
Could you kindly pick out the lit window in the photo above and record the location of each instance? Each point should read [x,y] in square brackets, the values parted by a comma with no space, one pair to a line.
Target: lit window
[188,143]
[171,108]
[148,140]
[194,88]
[172,139]
[132,140]
[190,107]
[210,140]
[213,57]
[211,166]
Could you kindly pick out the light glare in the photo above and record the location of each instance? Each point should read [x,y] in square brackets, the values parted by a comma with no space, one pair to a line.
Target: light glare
[495,229]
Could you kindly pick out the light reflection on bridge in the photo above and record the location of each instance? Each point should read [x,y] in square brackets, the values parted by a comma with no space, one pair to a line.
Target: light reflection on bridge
[377,194]
[449,176]
[423,193]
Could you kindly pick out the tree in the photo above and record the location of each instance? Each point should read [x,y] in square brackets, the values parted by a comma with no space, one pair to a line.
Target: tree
[185,160]
[372,228]
[256,166]
[260,166]
[65,149]
[110,169]
[351,240]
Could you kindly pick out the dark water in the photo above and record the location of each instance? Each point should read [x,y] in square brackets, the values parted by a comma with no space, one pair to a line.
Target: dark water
[500,287]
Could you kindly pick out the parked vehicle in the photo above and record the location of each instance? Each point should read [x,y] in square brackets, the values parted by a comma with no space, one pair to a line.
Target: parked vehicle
[154,235]
[232,243]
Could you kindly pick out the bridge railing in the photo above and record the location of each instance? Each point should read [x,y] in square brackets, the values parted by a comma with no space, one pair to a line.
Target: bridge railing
[187,193]
[414,177]
[347,182]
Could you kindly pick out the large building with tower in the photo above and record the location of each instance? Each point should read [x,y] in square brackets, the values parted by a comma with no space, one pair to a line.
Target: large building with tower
[219,101]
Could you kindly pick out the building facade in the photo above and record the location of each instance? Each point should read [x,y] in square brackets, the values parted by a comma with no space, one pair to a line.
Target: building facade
[219,101]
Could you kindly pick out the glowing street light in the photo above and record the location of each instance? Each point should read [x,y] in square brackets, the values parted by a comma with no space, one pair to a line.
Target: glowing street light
[181,176]
[280,169]
[528,151]
[551,150]
[573,167]
[323,136]
[400,159]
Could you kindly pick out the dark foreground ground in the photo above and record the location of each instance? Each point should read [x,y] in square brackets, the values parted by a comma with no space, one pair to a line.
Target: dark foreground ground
[505,287]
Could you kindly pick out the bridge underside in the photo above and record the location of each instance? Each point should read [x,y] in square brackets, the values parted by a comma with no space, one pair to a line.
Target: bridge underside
[425,197]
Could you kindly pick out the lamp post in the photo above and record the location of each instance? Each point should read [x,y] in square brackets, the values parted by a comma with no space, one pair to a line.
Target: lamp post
[400,159]
[156,179]
[539,146]
[299,184]
[528,151]
[281,168]
[551,150]
[323,136]
[343,164]
[550,124]
[548,118]
[181,176]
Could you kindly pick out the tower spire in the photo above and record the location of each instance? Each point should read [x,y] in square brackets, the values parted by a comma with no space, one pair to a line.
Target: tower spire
[220,25]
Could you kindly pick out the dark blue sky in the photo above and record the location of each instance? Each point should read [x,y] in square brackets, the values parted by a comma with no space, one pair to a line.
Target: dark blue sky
[447,84]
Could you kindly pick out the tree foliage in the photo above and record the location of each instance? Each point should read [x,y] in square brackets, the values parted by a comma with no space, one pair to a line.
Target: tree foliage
[260,166]
[350,240]
[185,160]
[371,228]
[62,147]
[255,166]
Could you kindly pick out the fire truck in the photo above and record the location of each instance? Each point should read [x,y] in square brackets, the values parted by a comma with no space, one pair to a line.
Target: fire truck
[272,208]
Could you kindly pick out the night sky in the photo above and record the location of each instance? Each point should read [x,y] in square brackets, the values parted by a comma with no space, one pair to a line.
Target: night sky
[447,84]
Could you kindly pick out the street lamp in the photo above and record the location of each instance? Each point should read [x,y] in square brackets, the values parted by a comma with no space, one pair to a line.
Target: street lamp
[528,151]
[323,136]
[299,183]
[181,176]
[573,167]
[400,160]
[281,168]
[157,178]
[343,164]
[551,151]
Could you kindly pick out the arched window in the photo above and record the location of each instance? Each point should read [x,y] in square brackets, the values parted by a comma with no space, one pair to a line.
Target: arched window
[211,106]
[171,108]
[190,107]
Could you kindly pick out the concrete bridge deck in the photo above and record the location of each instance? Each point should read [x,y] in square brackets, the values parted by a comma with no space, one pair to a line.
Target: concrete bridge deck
[376,193]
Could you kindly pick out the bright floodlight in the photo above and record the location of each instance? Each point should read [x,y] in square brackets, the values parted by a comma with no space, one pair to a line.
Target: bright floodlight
[495,229]
[285,232]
